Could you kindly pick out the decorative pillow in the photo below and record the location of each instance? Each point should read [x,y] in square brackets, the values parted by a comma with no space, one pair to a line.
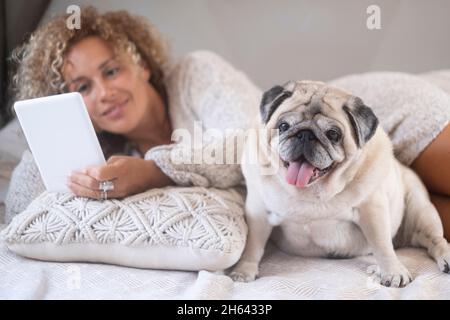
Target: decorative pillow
[172,228]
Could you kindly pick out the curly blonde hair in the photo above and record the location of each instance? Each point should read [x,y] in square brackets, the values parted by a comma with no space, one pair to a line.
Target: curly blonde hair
[39,61]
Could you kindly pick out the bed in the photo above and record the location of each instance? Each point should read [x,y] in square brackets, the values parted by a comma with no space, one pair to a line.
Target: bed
[282,276]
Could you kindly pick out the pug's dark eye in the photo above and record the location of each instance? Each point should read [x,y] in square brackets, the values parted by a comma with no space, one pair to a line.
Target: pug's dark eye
[333,135]
[283,127]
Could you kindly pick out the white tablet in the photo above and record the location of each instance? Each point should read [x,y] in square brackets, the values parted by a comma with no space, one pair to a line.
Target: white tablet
[60,135]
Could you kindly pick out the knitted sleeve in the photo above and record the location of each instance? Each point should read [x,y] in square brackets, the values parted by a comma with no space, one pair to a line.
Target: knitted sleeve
[207,97]
[202,167]
[26,184]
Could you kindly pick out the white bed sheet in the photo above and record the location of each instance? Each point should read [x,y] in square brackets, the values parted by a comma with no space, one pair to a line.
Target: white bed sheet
[282,277]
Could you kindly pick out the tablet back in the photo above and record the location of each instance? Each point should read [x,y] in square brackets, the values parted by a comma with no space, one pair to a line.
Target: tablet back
[60,135]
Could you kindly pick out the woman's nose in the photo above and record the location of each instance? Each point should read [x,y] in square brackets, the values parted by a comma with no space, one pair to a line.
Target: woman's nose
[105,91]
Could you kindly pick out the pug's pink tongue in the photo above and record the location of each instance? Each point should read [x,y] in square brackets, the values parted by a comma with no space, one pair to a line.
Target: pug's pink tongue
[299,173]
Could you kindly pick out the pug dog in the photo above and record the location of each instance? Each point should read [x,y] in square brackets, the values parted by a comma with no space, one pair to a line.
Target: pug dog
[338,190]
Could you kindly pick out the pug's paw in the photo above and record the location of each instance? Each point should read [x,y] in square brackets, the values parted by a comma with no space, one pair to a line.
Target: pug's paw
[396,276]
[444,262]
[244,271]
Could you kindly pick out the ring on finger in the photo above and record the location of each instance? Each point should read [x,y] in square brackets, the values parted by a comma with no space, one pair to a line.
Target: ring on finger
[104,195]
[106,185]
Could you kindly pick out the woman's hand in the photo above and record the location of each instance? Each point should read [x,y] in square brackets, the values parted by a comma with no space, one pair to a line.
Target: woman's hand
[129,175]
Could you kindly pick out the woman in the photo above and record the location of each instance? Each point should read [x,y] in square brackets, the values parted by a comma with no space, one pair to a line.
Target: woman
[118,63]
[115,88]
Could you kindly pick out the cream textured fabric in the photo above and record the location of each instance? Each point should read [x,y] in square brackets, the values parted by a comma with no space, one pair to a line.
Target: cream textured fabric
[181,228]
[26,184]
[282,277]
[411,110]
[211,175]
[12,145]
[203,87]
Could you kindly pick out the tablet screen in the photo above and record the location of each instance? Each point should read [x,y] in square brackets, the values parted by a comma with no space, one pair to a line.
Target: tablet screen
[60,135]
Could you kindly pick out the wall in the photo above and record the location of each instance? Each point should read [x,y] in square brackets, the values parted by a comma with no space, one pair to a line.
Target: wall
[273,41]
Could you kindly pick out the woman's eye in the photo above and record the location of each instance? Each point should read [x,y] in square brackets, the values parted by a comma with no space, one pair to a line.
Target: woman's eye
[333,135]
[283,127]
[82,88]
[112,72]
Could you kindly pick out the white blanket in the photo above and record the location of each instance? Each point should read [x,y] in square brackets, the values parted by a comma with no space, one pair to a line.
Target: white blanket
[282,277]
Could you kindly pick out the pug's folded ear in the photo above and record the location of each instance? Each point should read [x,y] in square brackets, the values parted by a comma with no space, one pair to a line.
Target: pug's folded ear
[271,100]
[362,119]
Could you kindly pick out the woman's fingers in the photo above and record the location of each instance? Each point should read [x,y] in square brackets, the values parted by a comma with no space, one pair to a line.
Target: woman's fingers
[105,172]
[117,170]
[84,185]
[83,191]
[84,180]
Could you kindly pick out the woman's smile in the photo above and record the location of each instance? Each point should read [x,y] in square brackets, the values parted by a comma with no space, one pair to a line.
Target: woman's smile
[116,111]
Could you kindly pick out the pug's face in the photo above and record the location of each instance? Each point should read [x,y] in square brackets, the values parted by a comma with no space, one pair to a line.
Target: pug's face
[319,129]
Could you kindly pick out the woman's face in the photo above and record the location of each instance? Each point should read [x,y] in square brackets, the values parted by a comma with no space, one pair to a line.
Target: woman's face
[115,90]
